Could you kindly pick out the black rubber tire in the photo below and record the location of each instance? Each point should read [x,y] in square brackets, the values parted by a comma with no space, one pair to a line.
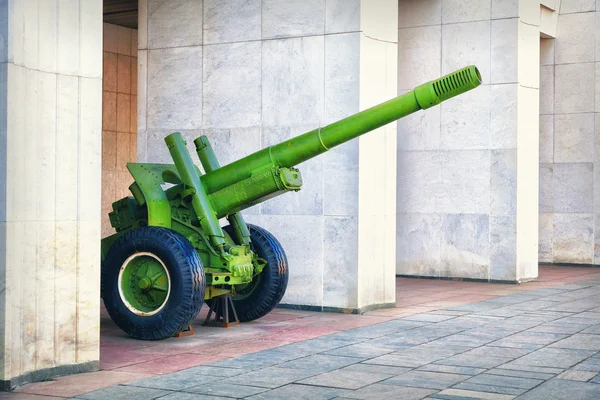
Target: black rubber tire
[186,272]
[271,282]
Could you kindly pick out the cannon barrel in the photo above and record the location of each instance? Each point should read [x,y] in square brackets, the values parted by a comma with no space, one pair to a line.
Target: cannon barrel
[318,141]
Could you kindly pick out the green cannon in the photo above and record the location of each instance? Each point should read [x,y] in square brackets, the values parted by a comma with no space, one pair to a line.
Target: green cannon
[170,254]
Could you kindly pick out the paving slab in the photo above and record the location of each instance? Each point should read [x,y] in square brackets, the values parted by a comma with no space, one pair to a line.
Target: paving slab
[489,388]
[301,392]
[551,357]
[191,396]
[456,394]
[504,381]
[176,381]
[377,369]
[462,360]
[580,341]
[124,393]
[379,391]
[364,350]
[271,377]
[575,375]
[521,374]
[321,363]
[226,390]
[592,364]
[560,389]
[451,369]
[425,379]
[345,379]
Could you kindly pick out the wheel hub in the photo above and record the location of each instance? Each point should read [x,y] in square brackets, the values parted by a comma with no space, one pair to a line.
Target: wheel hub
[144,284]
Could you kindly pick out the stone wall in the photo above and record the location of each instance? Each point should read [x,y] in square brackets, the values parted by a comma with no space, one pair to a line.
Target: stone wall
[119,116]
[466,182]
[569,203]
[50,176]
[255,73]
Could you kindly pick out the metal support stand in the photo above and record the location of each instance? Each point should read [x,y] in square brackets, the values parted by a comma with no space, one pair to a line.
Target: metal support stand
[189,331]
[221,306]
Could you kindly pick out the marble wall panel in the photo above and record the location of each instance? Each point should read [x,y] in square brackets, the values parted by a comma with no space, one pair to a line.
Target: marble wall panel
[412,13]
[232,144]
[546,138]
[503,116]
[221,15]
[467,44]
[340,184]
[418,244]
[465,249]
[342,16]
[420,131]
[465,182]
[232,85]
[293,81]
[547,89]
[174,89]
[302,239]
[418,176]
[342,70]
[454,11]
[68,53]
[340,257]
[503,182]
[596,189]
[546,202]
[573,91]
[285,18]
[419,55]
[573,238]
[573,188]
[574,133]
[503,247]
[505,9]
[174,23]
[504,50]
[573,44]
[577,6]
[546,224]
[597,134]
[597,239]
[547,51]
[465,121]
[4,32]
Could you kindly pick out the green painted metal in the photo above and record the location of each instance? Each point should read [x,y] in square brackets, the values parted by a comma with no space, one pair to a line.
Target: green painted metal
[144,284]
[194,203]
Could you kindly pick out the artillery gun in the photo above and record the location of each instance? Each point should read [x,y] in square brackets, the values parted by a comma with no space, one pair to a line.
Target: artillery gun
[170,254]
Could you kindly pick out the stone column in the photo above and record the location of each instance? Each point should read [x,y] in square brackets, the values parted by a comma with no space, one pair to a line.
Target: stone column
[256,74]
[50,172]
[467,170]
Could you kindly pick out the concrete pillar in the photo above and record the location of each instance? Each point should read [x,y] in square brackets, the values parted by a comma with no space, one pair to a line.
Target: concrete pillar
[50,141]
[467,170]
[255,74]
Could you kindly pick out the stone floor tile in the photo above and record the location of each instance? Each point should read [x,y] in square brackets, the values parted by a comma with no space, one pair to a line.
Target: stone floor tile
[556,358]
[579,341]
[320,363]
[26,396]
[271,377]
[384,328]
[376,369]
[512,366]
[301,392]
[489,388]
[362,350]
[502,380]
[425,379]
[124,393]
[560,389]
[451,369]
[521,374]
[470,394]
[226,390]
[592,364]
[505,343]
[542,338]
[565,329]
[215,371]
[462,360]
[575,375]
[191,396]
[378,391]
[428,317]
[504,352]
[345,379]
[594,329]
[176,381]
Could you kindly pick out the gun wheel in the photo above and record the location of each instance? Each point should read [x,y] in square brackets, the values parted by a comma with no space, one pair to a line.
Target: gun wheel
[153,283]
[259,297]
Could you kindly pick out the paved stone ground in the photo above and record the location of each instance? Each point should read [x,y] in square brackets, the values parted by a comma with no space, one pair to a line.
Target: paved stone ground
[540,344]
[540,341]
